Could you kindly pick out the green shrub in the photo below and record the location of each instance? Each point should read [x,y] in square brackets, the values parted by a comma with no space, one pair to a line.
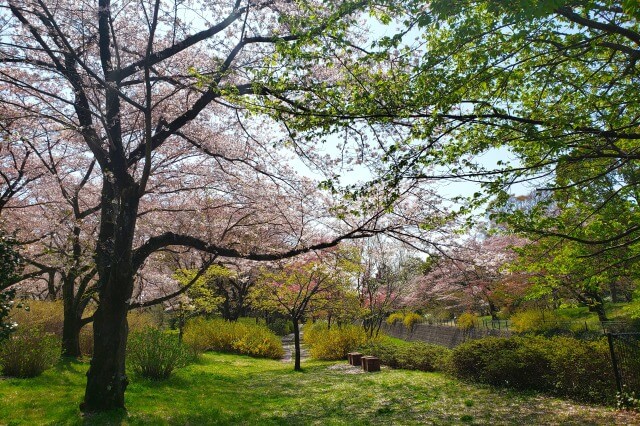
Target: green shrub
[281,326]
[581,369]
[29,352]
[423,357]
[384,349]
[410,356]
[224,336]
[560,365]
[334,343]
[43,315]
[514,362]
[154,354]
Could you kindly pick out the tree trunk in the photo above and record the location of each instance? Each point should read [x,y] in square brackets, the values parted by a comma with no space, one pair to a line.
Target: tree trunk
[71,336]
[296,341]
[106,378]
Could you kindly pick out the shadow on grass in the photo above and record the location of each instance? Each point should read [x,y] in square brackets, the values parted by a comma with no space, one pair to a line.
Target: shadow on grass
[111,418]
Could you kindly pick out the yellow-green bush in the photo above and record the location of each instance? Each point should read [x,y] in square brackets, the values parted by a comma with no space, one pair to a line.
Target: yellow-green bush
[48,316]
[411,319]
[29,352]
[224,336]
[44,315]
[395,317]
[467,320]
[334,343]
[533,321]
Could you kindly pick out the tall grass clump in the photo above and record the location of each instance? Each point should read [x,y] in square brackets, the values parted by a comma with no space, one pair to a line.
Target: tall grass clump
[233,337]
[154,354]
[29,352]
[332,343]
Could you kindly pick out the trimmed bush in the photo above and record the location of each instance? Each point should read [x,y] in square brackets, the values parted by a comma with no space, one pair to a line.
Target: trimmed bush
[234,337]
[560,365]
[29,352]
[385,350]
[409,356]
[510,362]
[423,357]
[334,343]
[581,369]
[154,354]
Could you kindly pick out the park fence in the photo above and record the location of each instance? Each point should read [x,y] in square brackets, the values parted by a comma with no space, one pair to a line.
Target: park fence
[625,359]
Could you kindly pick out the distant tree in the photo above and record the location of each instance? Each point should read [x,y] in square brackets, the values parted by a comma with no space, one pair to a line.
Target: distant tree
[292,288]
[383,283]
[475,274]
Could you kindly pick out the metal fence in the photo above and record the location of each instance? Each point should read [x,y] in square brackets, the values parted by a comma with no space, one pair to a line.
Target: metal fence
[625,358]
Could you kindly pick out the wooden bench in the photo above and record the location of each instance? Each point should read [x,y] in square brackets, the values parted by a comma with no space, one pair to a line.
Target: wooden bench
[370,364]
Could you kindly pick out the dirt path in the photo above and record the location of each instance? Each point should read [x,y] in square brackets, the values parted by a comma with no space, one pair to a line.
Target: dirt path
[289,348]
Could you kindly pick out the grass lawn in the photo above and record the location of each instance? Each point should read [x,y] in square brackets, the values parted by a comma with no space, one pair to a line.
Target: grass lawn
[230,389]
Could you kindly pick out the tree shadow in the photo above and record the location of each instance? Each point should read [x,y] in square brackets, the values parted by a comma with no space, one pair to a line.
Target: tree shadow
[111,418]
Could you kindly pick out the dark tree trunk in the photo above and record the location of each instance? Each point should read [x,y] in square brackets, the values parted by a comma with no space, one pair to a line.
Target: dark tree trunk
[600,309]
[106,378]
[71,336]
[51,286]
[296,342]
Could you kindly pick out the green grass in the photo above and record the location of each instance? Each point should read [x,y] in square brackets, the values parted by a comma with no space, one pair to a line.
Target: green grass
[229,389]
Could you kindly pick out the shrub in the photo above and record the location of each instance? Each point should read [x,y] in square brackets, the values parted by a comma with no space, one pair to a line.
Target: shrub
[44,315]
[410,356]
[334,343]
[533,321]
[29,352]
[241,338]
[155,354]
[395,317]
[384,349]
[467,320]
[513,362]
[411,319]
[581,369]
[281,326]
[561,365]
[423,357]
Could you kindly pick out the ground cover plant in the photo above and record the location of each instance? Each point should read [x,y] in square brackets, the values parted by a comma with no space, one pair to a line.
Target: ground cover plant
[231,389]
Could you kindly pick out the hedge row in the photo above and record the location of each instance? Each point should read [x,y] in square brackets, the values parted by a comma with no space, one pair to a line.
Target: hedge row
[563,366]
[560,365]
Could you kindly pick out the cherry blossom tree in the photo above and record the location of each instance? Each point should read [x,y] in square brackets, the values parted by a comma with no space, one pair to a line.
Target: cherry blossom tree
[291,288]
[473,275]
[383,284]
[151,99]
